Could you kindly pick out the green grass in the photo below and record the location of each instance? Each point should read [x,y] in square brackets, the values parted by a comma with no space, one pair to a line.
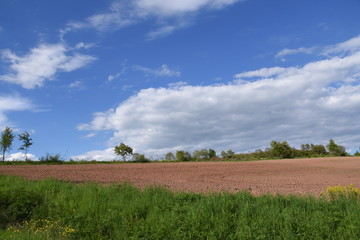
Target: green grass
[52,209]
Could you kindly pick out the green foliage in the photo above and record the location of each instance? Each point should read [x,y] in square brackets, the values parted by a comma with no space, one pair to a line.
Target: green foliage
[123,150]
[182,155]
[17,206]
[92,211]
[341,192]
[229,154]
[7,138]
[137,157]
[204,154]
[27,142]
[52,159]
[169,156]
[335,149]
[281,150]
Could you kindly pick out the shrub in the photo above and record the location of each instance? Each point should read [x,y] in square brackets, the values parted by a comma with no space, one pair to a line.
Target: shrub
[17,206]
[52,158]
[338,192]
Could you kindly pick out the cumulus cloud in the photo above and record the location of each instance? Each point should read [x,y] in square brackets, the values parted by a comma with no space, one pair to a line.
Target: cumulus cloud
[19,156]
[41,64]
[162,71]
[98,155]
[123,13]
[307,104]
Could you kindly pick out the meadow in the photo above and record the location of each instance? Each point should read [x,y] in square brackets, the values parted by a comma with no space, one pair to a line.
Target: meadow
[53,209]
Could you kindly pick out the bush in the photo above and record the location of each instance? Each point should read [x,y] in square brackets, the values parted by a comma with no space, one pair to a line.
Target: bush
[140,158]
[340,192]
[17,206]
[52,158]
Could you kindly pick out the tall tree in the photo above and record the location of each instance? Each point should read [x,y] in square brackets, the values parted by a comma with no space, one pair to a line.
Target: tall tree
[123,150]
[27,142]
[7,138]
[335,149]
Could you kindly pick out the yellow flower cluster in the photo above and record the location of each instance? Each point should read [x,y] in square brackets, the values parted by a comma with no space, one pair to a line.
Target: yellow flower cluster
[49,228]
[338,191]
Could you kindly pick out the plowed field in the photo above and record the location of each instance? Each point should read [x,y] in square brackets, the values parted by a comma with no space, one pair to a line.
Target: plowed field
[290,176]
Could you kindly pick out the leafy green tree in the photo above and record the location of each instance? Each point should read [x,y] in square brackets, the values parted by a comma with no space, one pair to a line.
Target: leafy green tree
[27,142]
[183,155]
[137,157]
[7,138]
[282,150]
[335,149]
[228,154]
[169,156]
[201,154]
[123,150]
[318,150]
[212,153]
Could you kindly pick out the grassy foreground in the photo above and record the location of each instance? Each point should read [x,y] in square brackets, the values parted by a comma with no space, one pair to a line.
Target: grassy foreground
[52,209]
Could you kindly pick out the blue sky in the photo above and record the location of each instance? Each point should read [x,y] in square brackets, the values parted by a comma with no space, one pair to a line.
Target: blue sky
[82,76]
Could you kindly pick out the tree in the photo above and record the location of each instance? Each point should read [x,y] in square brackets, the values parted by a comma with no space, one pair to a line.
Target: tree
[123,150]
[228,154]
[282,150]
[27,142]
[169,156]
[7,138]
[318,150]
[212,153]
[335,150]
[182,156]
[137,157]
[201,154]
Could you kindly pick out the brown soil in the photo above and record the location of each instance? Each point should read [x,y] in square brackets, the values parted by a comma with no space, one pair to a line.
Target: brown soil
[290,176]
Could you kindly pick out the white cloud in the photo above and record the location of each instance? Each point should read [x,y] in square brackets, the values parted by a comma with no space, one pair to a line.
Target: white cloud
[98,155]
[84,45]
[12,103]
[288,51]
[76,84]
[263,72]
[19,156]
[161,32]
[162,71]
[307,104]
[123,13]
[178,7]
[351,45]
[41,64]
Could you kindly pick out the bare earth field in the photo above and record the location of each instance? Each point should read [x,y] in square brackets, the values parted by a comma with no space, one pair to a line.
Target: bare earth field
[290,176]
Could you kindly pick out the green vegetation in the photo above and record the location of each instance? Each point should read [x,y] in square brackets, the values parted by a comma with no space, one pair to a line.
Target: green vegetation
[123,150]
[27,142]
[7,138]
[52,209]
[277,150]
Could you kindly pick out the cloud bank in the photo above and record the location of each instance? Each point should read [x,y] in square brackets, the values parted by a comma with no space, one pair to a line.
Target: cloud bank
[307,104]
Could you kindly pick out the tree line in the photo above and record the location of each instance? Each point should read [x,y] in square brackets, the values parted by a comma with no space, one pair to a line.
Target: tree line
[276,150]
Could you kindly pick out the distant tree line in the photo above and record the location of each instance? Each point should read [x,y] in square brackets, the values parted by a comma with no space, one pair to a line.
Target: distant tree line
[276,150]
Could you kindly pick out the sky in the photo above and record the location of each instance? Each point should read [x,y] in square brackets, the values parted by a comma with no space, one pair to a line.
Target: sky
[165,75]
